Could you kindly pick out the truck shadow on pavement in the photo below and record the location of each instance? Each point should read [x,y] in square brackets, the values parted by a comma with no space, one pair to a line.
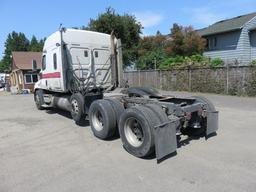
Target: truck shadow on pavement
[83,123]
[182,142]
[59,111]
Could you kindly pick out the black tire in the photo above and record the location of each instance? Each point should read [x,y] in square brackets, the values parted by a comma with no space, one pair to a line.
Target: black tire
[117,107]
[139,141]
[208,104]
[77,107]
[158,112]
[38,97]
[102,119]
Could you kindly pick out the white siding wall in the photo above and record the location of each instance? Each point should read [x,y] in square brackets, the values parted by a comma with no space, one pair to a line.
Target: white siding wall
[228,56]
[253,53]
[244,53]
[244,45]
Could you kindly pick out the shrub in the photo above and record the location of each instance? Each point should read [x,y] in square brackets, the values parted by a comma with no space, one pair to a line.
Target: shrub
[171,62]
[197,58]
[216,62]
[167,63]
[193,61]
[253,62]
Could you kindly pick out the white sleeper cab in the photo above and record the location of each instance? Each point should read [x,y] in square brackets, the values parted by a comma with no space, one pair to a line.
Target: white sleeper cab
[80,71]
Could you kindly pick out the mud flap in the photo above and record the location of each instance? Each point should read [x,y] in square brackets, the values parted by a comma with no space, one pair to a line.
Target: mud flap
[165,138]
[212,122]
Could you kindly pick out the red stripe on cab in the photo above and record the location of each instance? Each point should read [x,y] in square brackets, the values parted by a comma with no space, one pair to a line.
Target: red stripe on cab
[51,75]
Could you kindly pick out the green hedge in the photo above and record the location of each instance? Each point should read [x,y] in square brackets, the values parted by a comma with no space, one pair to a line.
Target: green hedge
[192,61]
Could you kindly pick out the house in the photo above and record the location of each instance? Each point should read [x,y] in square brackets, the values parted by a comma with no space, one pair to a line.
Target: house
[25,68]
[233,40]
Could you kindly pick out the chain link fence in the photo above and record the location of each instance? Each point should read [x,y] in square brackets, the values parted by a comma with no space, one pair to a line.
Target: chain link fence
[232,80]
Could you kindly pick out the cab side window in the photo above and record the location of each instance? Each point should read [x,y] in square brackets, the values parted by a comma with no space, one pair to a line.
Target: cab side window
[55,61]
[44,62]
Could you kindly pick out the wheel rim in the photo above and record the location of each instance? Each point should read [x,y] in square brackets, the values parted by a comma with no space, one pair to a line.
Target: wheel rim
[133,132]
[97,120]
[75,107]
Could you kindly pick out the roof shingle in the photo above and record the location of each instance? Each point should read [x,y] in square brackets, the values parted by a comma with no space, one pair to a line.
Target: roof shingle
[23,60]
[227,25]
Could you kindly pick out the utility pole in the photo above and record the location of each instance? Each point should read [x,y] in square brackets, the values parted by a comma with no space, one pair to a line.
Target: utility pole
[155,63]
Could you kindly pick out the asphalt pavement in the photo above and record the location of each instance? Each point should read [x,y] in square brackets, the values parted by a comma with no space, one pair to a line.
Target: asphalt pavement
[46,151]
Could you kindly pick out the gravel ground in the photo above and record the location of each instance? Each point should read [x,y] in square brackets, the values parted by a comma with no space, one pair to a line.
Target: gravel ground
[46,151]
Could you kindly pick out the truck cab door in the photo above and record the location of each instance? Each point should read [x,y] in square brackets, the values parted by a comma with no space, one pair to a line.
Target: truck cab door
[102,66]
[52,71]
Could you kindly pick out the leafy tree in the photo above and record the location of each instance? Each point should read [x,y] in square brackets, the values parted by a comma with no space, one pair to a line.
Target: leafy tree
[124,26]
[169,51]
[150,52]
[151,59]
[185,41]
[175,45]
[14,42]
[193,42]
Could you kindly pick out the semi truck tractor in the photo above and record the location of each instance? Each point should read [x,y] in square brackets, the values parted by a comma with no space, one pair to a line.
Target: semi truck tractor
[81,73]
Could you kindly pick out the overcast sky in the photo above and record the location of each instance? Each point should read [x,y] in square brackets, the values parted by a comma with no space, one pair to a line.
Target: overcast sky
[43,17]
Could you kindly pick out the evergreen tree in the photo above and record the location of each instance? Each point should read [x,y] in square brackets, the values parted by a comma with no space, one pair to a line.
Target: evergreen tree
[35,45]
[18,42]
[14,42]
[158,33]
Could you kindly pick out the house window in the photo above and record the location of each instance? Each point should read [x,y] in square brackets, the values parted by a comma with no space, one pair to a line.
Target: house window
[212,43]
[253,38]
[44,62]
[31,78]
[215,41]
[207,44]
[55,61]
